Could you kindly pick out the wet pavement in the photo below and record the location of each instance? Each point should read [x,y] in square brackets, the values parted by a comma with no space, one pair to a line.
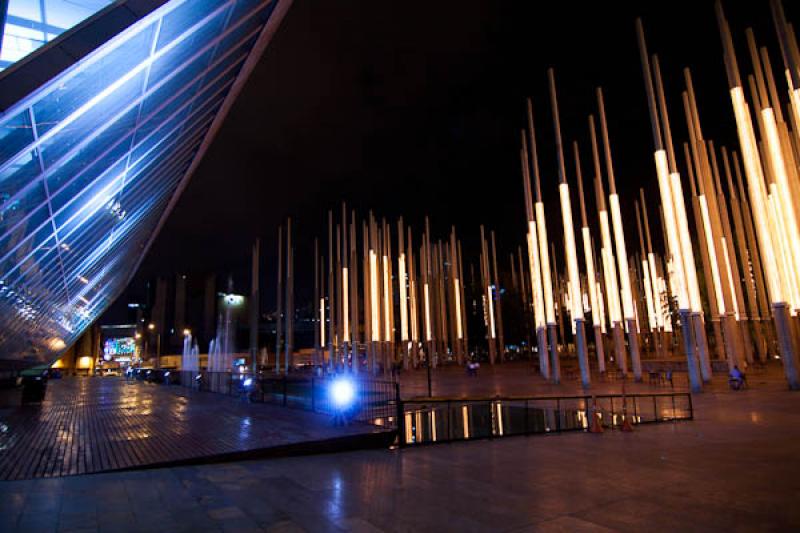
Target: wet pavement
[88,425]
[734,468]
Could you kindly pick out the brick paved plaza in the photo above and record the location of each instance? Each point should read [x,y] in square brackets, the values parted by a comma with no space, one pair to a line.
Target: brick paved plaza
[735,467]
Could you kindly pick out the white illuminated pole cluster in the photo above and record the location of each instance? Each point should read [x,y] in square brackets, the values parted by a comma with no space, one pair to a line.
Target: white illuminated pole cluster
[595,298]
[791,61]
[675,226]
[532,237]
[779,168]
[544,256]
[771,243]
[569,240]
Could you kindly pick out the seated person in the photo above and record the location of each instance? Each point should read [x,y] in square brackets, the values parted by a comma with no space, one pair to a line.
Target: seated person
[737,377]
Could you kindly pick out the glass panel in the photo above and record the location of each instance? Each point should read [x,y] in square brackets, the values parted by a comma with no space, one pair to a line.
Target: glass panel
[95,81]
[88,163]
[16,209]
[189,46]
[184,17]
[15,134]
[32,23]
[22,231]
[16,176]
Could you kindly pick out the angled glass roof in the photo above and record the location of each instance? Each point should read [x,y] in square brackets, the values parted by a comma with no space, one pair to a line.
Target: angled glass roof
[31,23]
[90,160]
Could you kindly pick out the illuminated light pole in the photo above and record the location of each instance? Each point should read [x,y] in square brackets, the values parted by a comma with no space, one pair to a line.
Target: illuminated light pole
[317,301]
[353,263]
[427,270]
[688,269]
[569,239]
[413,302]
[662,319]
[756,280]
[544,256]
[254,306]
[591,283]
[755,180]
[455,276]
[729,248]
[619,240]
[441,299]
[652,319]
[332,300]
[337,311]
[498,302]
[704,257]
[289,297]
[344,292]
[607,256]
[402,281]
[463,300]
[675,227]
[710,212]
[488,299]
[752,315]
[279,311]
[387,298]
[537,296]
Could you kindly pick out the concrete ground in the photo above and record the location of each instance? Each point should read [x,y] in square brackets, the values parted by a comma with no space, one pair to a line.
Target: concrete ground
[735,468]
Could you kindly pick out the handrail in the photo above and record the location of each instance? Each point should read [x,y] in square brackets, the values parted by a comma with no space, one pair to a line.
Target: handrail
[444,399]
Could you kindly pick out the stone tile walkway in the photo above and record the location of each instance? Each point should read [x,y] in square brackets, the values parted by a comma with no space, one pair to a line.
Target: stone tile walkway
[88,425]
[735,468]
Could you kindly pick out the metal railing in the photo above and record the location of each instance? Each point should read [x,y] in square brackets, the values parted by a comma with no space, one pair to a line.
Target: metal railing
[376,402]
[427,421]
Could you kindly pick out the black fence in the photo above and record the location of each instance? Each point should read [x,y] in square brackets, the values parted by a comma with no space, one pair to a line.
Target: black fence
[443,420]
[374,401]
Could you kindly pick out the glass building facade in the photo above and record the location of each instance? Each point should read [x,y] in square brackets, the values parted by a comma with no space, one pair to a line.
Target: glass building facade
[90,161]
[31,23]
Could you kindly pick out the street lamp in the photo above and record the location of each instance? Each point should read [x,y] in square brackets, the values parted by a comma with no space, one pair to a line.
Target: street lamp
[152,328]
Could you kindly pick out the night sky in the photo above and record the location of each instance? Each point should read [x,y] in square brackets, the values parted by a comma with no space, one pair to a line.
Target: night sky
[415,108]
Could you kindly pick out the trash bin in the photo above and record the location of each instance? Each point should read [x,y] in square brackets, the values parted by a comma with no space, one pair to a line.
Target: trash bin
[33,389]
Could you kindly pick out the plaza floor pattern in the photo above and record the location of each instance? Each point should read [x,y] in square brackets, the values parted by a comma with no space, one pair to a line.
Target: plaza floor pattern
[88,425]
[735,468]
